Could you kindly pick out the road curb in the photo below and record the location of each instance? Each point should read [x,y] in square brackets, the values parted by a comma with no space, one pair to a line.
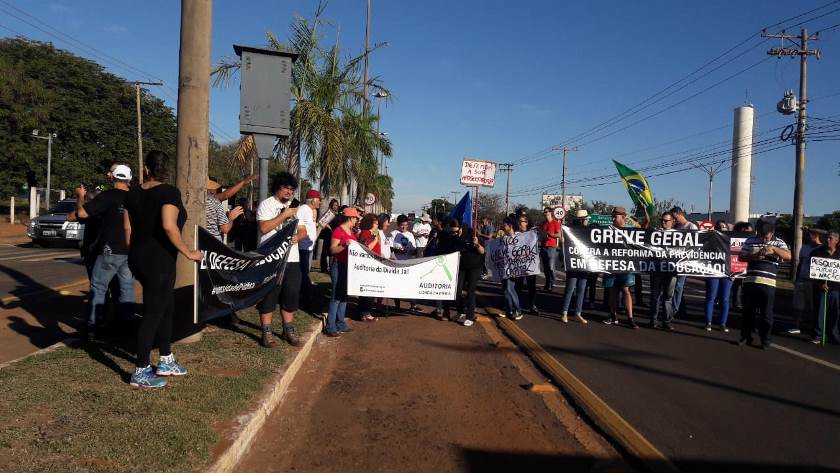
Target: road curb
[10,299]
[613,424]
[249,424]
[69,342]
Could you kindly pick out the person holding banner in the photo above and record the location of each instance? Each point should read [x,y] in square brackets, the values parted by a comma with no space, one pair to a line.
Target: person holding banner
[529,281]
[153,218]
[804,290]
[828,316]
[271,214]
[718,288]
[509,284]
[324,236]
[470,269]
[576,281]
[342,235]
[762,253]
[369,236]
[552,230]
[306,216]
[621,282]
[663,285]
[404,246]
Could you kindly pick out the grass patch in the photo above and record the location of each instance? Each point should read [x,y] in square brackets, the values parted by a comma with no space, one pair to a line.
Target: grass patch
[71,409]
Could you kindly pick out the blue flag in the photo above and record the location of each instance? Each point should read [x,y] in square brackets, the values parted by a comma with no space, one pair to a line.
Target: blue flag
[463,210]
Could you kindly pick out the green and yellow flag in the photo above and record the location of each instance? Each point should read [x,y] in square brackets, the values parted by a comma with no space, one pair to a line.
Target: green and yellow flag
[636,186]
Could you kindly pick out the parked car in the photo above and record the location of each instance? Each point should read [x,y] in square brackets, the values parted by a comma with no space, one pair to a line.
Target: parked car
[54,227]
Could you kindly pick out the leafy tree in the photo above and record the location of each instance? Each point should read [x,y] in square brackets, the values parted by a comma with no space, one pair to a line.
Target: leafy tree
[492,206]
[830,222]
[91,111]
[437,206]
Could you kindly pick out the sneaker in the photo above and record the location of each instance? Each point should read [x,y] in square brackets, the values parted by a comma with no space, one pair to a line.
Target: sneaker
[502,315]
[146,379]
[632,324]
[461,318]
[414,308]
[518,315]
[468,323]
[667,326]
[724,328]
[581,319]
[291,337]
[564,318]
[347,329]
[171,368]
[794,331]
[816,341]
[708,327]
[608,321]
[268,340]
[535,310]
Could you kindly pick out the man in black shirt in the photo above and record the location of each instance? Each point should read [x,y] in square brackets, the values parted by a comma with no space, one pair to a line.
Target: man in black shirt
[828,327]
[113,256]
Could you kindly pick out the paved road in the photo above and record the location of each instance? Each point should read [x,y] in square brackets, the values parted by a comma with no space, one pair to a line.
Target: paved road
[708,404]
[24,268]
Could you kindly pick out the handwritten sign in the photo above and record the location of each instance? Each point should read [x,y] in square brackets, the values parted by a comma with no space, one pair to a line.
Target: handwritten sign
[513,256]
[328,217]
[478,173]
[825,269]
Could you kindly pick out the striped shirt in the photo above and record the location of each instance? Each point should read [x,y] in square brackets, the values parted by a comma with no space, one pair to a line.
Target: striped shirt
[216,217]
[762,271]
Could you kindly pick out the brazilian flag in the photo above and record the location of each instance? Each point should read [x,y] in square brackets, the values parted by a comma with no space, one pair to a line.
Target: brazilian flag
[636,186]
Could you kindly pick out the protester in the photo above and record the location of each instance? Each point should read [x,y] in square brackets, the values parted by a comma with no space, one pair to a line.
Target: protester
[272,213]
[470,267]
[369,236]
[306,216]
[828,314]
[153,219]
[763,253]
[509,284]
[339,242]
[576,280]
[804,291]
[718,289]
[449,241]
[243,235]
[421,231]
[403,247]
[621,283]
[325,237]
[740,227]
[551,232]
[111,250]
[225,194]
[219,222]
[486,232]
[681,222]
[663,285]
[91,247]
[529,282]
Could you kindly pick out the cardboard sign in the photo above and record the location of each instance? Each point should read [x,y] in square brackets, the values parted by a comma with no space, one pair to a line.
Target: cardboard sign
[325,220]
[478,173]
[513,256]
[825,269]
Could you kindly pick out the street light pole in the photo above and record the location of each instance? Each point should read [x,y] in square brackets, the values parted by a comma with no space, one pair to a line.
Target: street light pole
[49,139]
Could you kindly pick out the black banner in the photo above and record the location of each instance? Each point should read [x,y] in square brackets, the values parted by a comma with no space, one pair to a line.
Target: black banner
[229,280]
[631,250]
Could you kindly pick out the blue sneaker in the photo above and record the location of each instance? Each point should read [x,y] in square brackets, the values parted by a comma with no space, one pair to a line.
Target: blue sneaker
[146,379]
[171,368]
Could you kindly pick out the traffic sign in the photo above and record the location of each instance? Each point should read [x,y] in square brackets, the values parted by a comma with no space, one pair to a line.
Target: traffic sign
[706,225]
[559,212]
[370,198]
[598,219]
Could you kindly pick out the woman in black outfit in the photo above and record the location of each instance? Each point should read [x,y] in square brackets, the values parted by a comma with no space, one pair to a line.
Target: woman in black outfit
[471,267]
[154,217]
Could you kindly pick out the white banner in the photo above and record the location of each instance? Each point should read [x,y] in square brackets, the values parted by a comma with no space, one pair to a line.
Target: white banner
[513,256]
[825,269]
[369,275]
[475,172]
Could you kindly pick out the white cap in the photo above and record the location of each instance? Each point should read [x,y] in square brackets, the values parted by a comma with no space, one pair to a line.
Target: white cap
[122,172]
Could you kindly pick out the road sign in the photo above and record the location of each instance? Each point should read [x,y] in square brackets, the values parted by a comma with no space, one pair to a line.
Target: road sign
[598,219]
[706,225]
[559,213]
[475,172]
[370,199]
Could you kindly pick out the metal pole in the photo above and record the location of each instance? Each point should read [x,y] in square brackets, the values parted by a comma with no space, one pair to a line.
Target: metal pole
[12,210]
[139,134]
[711,179]
[49,168]
[799,183]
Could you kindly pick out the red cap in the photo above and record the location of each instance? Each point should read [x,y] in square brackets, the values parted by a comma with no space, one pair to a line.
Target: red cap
[351,212]
[313,194]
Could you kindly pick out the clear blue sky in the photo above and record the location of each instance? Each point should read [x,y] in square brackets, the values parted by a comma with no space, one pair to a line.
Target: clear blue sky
[503,80]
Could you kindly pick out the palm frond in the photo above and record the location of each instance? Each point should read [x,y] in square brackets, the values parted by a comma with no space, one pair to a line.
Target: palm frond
[223,72]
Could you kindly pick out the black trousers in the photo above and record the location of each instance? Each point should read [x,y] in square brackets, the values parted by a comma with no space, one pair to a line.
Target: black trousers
[758,307]
[468,281]
[531,283]
[158,311]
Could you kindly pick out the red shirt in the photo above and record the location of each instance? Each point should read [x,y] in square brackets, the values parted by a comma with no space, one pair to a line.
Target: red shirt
[551,227]
[344,238]
[366,237]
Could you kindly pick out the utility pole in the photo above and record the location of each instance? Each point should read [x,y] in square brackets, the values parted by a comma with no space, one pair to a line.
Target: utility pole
[711,170]
[565,151]
[137,85]
[803,52]
[508,168]
[49,139]
[193,121]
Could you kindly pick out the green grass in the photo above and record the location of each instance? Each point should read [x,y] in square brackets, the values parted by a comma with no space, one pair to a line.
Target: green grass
[71,410]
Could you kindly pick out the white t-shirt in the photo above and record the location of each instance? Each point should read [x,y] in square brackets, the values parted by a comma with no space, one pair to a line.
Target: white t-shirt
[385,244]
[306,217]
[421,231]
[269,209]
[685,226]
[403,241]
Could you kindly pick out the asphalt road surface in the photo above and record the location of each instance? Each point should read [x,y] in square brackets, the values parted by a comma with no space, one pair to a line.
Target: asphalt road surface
[25,268]
[706,403]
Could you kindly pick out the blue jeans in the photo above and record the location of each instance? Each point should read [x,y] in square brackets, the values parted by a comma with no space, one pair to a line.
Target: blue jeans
[663,286]
[829,304]
[678,293]
[575,284]
[715,287]
[511,297]
[548,255]
[338,298]
[105,268]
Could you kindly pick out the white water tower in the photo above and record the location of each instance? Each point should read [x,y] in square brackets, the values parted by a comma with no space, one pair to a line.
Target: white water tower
[742,150]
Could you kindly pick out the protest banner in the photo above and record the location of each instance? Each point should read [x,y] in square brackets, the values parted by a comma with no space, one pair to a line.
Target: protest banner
[736,242]
[229,280]
[613,250]
[513,256]
[325,220]
[475,172]
[825,269]
[370,275]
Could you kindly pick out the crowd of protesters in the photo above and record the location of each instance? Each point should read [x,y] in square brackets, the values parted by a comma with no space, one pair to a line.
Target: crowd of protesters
[134,233]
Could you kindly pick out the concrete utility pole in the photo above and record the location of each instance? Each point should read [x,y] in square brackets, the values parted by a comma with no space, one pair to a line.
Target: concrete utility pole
[565,151]
[803,52]
[193,121]
[508,168]
[49,139]
[137,85]
[711,170]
